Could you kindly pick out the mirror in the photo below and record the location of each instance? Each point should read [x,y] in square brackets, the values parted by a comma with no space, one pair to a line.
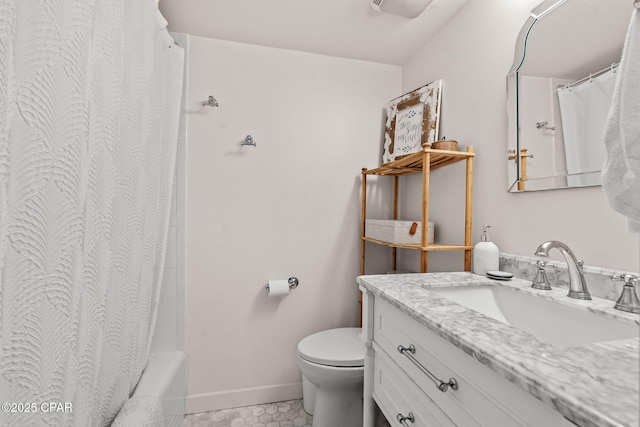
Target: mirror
[559,92]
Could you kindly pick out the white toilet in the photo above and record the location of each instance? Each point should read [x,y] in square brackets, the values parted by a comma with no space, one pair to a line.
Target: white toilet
[332,365]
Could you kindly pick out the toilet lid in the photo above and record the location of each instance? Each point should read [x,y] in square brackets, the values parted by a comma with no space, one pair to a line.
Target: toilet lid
[334,347]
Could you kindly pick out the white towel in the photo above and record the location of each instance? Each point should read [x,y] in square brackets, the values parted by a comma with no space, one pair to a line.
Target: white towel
[140,411]
[621,174]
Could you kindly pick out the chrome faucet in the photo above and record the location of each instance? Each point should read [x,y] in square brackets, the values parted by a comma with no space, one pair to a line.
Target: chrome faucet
[577,284]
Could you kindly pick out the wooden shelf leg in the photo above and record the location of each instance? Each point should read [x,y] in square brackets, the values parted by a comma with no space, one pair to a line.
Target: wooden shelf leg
[468,210]
[426,172]
[394,251]
[363,216]
[423,261]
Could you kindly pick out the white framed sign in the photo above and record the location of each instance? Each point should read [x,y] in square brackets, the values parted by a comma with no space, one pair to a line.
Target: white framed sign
[412,119]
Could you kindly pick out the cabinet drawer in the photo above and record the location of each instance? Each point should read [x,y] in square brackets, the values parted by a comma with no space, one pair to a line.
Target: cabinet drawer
[483,398]
[397,394]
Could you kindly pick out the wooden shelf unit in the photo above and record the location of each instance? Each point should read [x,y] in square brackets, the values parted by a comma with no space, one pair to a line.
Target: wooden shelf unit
[421,162]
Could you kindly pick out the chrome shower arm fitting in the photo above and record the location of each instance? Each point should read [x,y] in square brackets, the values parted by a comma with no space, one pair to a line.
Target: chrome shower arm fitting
[210,102]
[544,125]
[248,140]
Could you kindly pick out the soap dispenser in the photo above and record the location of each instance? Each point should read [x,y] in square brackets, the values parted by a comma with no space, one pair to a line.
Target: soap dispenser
[485,254]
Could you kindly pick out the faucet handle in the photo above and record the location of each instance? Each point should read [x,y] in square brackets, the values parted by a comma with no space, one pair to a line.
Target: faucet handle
[628,300]
[626,278]
[541,281]
[542,263]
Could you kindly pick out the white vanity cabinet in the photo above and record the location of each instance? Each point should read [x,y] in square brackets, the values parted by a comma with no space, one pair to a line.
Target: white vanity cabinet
[405,384]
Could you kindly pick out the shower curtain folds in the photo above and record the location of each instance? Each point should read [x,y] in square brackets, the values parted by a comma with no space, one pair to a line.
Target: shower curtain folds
[89,108]
[584,109]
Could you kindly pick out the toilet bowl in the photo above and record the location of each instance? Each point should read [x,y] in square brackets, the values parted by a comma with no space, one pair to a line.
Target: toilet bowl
[332,365]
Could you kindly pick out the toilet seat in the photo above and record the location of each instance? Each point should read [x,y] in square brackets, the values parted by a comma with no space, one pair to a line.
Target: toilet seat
[340,347]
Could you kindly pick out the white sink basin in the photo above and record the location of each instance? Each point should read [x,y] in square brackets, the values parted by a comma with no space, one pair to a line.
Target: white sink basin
[556,323]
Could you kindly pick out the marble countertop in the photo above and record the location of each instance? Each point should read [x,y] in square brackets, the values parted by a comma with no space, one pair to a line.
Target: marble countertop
[591,385]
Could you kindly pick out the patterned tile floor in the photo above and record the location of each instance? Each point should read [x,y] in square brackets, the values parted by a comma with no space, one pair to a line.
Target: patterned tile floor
[279,414]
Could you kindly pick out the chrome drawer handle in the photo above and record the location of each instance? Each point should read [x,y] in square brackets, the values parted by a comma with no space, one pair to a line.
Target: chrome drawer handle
[441,385]
[403,420]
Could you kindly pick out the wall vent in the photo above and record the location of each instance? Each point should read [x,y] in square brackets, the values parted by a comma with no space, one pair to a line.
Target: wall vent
[406,8]
[375,5]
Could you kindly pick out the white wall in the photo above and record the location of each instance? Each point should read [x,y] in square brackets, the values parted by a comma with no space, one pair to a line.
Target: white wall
[473,53]
[288,207]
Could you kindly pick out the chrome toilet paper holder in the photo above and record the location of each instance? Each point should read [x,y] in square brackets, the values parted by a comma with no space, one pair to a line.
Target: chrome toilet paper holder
[293,283]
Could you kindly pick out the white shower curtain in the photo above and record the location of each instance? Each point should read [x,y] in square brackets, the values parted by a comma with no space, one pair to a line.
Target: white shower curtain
[584,109]
[89,109]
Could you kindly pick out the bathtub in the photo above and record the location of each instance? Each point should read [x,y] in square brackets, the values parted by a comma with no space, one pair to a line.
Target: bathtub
[164,378]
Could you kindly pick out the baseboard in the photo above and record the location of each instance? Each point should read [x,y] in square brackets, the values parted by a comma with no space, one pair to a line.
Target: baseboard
[242,397]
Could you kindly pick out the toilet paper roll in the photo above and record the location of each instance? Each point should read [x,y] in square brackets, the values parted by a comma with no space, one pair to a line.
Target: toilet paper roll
[278,288]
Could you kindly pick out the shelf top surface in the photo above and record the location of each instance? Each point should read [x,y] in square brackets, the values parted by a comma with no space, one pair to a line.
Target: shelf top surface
[412,163]
[428,247]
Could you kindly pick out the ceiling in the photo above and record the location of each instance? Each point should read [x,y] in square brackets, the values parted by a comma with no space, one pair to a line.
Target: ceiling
[344,28]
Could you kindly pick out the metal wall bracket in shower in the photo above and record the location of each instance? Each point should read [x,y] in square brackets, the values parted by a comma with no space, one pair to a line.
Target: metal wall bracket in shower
[248,140]
[210,102]
[544,125]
